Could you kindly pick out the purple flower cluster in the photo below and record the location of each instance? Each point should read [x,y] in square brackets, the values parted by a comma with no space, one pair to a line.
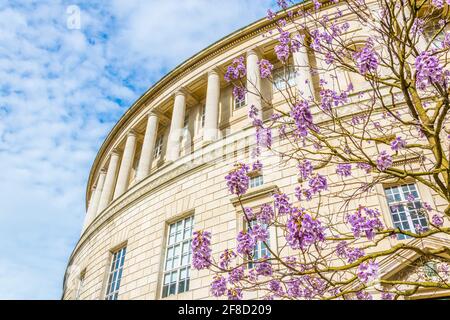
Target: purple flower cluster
[439,3]
[387,296]
[302,116]
[303,230]
[236,70]
[218,286]
[398,144]
[266,214]
[238,180]
[305,168]
[428,70]
[264,137]
[344,169]
[236,275]
[330,98]
[234,294]
[239,92]
[281,201]
[364,166]
[384,161]
[226,257]
[317,183]
[263,268]
[257,165]
[245,243]
[351,254]
[437,220]
[306,286]
[367,271]
[365,221]
[201,251]
[275,286]
[265,68]
[259,232]
[363,295]
[366,59]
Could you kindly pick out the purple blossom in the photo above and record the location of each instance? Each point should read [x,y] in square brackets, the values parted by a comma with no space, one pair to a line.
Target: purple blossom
[239,92]
[367,271]
[365,221]
[366,59]
[265,68]
[245,243]
[351,254]
[275,286]
[317,183]
[238,180]
[263,268]
[270,14]
[301,114]
[387,296]
[303,231]
[253,112]
[344,169]
[428,70]
[234,294]
[398,144]
[363,295]
[281,201]
[257,165]
[437,220]
[264,137]
[410,197]
[201,251]
[236,70]
[330,98]
[259,233]
[300,193]
[419,229]
[218,286]
[266,214]
[384,161]
[305,167]
[226,257]
[282,52]
[236,275]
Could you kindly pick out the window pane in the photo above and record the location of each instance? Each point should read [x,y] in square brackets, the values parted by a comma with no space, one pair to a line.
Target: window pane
[115,276]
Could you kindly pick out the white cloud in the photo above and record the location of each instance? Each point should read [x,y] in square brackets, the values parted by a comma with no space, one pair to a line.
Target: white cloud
[61,92]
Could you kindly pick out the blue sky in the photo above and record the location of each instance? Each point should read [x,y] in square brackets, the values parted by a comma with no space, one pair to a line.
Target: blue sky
[61,91]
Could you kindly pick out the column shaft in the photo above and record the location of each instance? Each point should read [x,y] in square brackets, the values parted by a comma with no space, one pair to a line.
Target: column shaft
[176,126]
[108,186]
[95,200]
[253,82]
[303,77]
[210,131]
[125,166]
[148,147]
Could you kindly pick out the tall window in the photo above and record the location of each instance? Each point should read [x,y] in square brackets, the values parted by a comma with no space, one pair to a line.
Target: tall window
[256,181]
[283,77]
[239,103]
[115,274]
[80,284]
[405,208]
[178,257]
[202,116]
[260,250]
[158,147]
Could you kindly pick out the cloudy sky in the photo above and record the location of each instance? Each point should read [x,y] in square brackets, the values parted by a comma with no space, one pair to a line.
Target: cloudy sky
[62,88]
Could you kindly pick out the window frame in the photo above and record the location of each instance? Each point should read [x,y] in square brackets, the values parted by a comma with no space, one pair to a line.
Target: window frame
[239,104]
[112,281]
[408,211]
[256,180]
[175,272]
[279,77]
[81,279]
[159,143]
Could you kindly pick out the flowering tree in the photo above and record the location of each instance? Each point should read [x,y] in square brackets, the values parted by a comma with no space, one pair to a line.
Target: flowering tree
[375,111]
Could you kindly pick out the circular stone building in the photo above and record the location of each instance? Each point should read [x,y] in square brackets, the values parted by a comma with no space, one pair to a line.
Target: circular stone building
[159,174]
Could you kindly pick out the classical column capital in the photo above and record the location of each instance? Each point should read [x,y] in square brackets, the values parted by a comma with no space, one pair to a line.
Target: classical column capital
[181,92]
[214,71]
[253,51]
[115,152]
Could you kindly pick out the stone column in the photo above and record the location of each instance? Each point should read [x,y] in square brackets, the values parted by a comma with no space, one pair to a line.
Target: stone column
[110,178]
[253,82]
[125,166]
[95,200]
[148,147]
[210,131]
[302,66]
[176,126]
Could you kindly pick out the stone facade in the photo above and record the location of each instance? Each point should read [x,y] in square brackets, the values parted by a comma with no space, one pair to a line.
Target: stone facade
[138,186]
